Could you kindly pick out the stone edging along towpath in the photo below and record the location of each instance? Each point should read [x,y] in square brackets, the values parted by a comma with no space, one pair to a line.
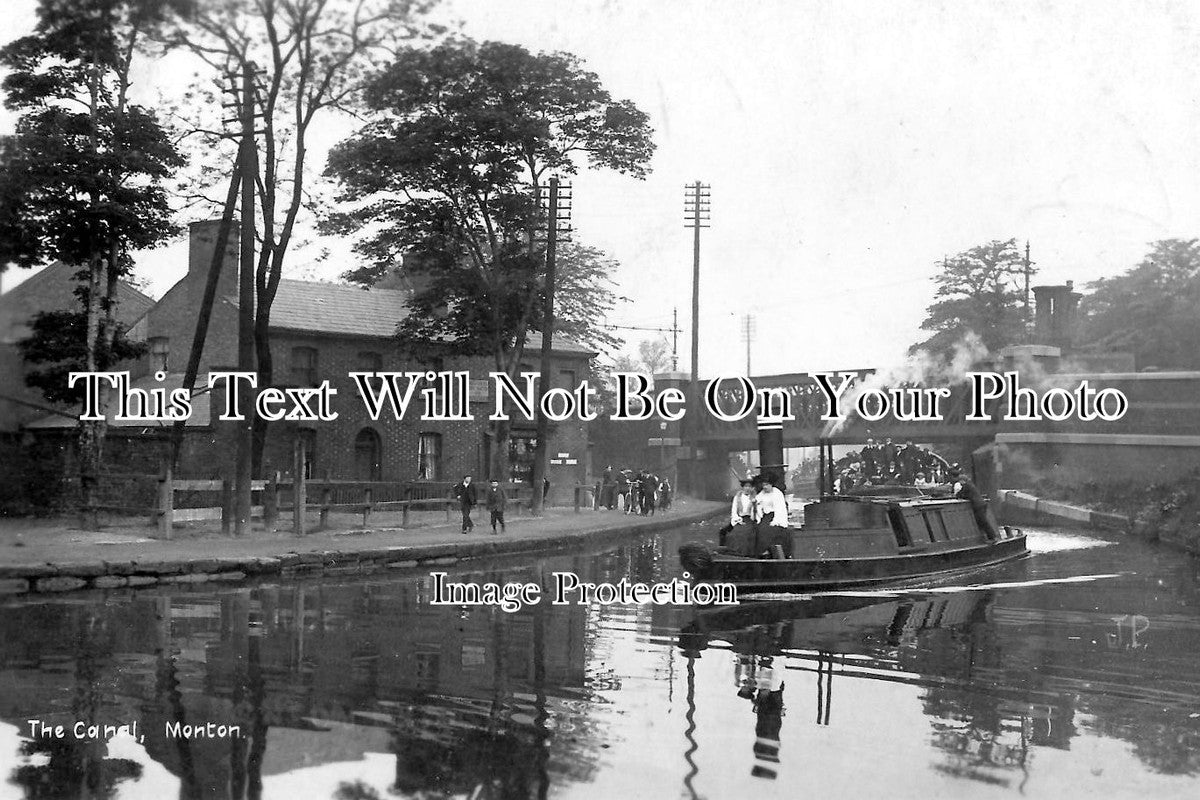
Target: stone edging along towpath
[46,578]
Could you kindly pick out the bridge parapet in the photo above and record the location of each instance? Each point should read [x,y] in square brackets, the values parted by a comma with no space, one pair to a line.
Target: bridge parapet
[809,404]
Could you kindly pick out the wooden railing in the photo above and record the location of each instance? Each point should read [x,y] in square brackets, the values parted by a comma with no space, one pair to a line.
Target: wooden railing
[279,496]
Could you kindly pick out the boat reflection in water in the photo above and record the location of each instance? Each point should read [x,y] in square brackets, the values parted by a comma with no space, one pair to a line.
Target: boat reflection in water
[936,643]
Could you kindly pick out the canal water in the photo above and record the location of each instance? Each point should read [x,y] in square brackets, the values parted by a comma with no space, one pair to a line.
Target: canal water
[1075,672]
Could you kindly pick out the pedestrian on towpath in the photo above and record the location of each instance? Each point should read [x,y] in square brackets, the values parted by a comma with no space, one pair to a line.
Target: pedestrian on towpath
[467,499]
[496,501]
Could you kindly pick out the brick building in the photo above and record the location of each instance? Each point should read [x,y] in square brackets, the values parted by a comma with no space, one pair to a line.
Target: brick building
[52,289]
[324,331]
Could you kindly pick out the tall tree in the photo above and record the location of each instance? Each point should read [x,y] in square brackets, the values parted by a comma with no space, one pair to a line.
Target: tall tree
[313,56]
[449,171]
[83,178]
[1151,310]
[978,292]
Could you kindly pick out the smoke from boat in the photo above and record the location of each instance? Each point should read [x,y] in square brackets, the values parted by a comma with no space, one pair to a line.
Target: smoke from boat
[921,368]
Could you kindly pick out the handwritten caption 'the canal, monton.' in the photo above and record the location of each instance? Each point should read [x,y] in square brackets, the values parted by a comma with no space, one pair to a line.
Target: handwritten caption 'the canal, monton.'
[568,589]
[448,397]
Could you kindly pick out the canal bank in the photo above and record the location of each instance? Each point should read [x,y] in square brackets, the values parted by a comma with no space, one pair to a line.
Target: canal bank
[50,559]
[1173,518]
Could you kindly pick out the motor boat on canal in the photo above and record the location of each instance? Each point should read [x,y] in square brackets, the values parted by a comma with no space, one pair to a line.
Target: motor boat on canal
[873,536]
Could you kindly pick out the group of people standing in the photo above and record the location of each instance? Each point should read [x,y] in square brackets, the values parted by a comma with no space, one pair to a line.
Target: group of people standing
[886,463]
[640,492]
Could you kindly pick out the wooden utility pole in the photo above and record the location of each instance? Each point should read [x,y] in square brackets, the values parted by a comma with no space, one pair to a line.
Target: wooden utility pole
[1027,263]
[696,206]
[558,213]
[675,339]
[748,330]
[248,158]
[696,209]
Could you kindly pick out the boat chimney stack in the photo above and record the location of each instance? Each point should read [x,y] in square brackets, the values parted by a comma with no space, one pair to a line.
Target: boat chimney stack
[770,451]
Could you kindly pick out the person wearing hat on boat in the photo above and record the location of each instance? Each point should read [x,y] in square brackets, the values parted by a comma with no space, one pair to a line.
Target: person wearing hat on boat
[965,489]
[771,516]
[741,511]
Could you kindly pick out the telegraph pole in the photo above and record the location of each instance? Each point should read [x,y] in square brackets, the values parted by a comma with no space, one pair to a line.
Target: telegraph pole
[1027,263]
[748,330]
[673,330]
[675,339]
[558,220]
[248,166]
[696,206]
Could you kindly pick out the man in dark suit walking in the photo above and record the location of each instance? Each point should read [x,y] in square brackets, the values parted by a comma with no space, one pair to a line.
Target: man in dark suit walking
[496,501]
[467,499]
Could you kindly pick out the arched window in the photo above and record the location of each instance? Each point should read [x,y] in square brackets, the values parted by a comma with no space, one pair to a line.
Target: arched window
[368,456]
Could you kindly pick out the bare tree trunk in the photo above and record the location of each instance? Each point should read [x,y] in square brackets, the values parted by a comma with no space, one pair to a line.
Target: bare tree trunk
[91,432]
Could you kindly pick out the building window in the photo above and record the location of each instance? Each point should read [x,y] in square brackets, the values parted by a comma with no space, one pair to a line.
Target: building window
[566,379]
[429,457]
[367,456]
[369,361]
[304,366]
[160,354]
[520,457]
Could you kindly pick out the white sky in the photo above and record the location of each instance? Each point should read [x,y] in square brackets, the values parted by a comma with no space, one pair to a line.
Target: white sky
[852,145]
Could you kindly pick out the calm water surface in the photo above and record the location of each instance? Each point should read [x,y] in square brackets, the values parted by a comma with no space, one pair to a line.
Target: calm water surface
[1073,673]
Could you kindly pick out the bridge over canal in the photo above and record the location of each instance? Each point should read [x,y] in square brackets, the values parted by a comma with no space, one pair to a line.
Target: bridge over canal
[1157,439]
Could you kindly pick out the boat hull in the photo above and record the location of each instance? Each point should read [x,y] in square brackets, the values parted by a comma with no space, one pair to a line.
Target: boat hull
[799,574]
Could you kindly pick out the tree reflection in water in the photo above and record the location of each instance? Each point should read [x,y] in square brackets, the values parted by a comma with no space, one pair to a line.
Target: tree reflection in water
[78,768]
[477,702]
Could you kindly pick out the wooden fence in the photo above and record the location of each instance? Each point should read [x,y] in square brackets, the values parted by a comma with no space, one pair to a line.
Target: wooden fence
[281,496]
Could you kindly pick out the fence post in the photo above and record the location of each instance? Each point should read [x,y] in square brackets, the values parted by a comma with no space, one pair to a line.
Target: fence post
[326,500]
[576,499]
[226,506]
[166,502]
[367,494]
[271,502]
[299,490]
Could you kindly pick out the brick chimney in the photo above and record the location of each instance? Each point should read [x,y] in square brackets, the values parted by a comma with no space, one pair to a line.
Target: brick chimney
[202,242]
[1054,316]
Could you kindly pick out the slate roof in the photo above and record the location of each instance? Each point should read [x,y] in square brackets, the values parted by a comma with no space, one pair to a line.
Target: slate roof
[53,289]
[344,310]
[337,308]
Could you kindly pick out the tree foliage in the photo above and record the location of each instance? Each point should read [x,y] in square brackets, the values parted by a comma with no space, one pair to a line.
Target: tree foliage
[979,291]
[312,58]
[83,175]
[448,172]
[584,295]
[1152,311]
[55,348]
[446,179]
[83,179]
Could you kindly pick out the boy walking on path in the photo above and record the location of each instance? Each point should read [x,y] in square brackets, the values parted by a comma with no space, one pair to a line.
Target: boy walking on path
[467,499]
[496,501]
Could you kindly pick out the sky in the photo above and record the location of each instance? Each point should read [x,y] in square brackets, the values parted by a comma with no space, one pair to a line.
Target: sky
[851,146]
